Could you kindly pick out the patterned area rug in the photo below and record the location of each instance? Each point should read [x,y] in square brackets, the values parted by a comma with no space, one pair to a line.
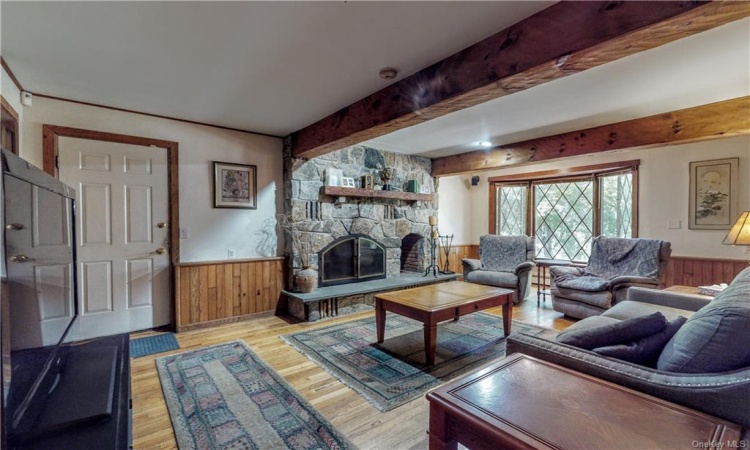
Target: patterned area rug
[394,372]
[226,397]
[149,345]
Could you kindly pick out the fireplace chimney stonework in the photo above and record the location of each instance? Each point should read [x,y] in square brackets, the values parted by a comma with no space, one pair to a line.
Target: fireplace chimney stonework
[319,219]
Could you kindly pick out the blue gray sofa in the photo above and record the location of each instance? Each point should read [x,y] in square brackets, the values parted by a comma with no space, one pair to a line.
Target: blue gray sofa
[504,261]
[704,366]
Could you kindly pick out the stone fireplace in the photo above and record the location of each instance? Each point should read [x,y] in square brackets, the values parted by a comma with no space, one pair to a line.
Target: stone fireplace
[319,220]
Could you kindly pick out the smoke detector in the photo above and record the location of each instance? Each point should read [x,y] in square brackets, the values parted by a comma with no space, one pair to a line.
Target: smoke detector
[388,73]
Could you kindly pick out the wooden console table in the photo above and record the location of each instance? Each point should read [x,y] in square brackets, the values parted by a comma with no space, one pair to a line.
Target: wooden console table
[526,403]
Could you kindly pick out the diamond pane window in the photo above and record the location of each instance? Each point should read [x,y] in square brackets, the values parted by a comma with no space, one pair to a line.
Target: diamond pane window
[616,202]
[511,210]
[564,219]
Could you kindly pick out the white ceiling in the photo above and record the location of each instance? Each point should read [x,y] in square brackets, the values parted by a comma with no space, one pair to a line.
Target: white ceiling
[276,67]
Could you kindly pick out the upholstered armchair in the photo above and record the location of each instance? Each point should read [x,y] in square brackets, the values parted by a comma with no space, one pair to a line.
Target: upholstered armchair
[615,265]
[504,261]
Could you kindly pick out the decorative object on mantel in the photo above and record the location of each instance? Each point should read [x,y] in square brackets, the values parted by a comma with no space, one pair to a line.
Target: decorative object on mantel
[347,182]
[235,186]
[445,243]
[412,186]
[386,175]
[367,182]
[713,194]
[333,176]
[433,244]
[740,232]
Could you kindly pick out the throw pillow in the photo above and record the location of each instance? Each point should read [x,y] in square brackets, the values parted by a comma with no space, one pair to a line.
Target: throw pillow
[715,339]
[622,332]
[646,351]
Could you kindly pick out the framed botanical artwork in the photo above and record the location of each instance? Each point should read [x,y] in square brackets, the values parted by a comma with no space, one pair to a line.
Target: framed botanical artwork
[714,188]
[235,186]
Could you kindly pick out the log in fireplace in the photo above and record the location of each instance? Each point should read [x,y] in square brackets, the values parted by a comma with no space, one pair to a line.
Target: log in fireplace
[350,259]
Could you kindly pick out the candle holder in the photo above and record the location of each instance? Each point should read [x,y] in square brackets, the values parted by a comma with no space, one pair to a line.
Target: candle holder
[433,247]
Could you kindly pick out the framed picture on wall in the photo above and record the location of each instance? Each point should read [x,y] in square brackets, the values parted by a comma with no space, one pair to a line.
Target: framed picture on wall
[713,195]
[235,186]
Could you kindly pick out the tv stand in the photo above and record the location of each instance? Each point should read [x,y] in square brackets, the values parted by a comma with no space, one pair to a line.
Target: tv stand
[90,406]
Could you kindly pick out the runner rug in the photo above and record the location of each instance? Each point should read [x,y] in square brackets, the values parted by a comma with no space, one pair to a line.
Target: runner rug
[394,372]
[226,397]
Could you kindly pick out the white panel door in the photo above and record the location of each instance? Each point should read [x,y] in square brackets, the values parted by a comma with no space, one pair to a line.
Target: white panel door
[40,273]
[121,219]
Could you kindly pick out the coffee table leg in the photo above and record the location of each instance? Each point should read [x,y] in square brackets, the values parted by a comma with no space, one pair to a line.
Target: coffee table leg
[507,315]
[430,342]
[380,319]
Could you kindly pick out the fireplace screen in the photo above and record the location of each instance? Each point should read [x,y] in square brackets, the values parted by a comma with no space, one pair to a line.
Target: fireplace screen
[351,259]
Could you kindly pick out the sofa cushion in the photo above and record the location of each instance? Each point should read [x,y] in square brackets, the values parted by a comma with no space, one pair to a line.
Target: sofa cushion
[492,278]
[620,332]
[583,283]
[601,299]
[644,352]
[716,337]
[627,309]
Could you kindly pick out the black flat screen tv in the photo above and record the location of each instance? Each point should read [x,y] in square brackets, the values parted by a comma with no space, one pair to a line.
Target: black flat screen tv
[47,384]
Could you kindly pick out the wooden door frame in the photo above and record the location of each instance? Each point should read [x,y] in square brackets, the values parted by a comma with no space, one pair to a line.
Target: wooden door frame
[13,115]
[51,133]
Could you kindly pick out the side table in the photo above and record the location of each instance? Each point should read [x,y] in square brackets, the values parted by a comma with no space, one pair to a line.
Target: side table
[541,283]
[522,402]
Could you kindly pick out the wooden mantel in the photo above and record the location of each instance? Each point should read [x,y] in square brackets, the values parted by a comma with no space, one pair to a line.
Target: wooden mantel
[564,39]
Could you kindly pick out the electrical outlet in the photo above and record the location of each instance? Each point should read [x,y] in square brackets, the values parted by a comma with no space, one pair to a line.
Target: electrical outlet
[230,253]
[184,233]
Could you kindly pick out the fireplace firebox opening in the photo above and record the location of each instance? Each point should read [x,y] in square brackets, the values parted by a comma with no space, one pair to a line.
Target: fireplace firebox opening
[350,259]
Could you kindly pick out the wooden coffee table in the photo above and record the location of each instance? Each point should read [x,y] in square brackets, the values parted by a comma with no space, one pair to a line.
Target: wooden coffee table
[439,302]
[522,402]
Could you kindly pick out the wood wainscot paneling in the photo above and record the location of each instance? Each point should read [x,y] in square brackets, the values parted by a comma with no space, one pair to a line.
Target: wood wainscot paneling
[692,271]
[457,253]
[217,292]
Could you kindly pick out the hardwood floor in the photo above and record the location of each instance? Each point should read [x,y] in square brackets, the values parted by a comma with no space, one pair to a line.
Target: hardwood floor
[365,426]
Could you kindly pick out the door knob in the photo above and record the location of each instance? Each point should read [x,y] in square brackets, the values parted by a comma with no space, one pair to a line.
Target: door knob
[20,258]
[14,226]
[161,225]
[159,251]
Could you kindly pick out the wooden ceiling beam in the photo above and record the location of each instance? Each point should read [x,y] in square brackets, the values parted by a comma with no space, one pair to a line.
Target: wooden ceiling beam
[564,39]
[712,121]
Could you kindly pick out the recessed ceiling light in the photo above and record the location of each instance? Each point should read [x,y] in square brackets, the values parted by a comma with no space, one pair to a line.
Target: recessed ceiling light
[388,73]
[484,144]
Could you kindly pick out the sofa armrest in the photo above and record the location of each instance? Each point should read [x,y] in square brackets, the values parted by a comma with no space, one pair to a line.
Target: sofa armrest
[668,298]
[634,281]
[471,264]
[525,266]
[725,395]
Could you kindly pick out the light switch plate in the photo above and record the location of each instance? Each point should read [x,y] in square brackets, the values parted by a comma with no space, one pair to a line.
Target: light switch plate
[230,253]
[184,233]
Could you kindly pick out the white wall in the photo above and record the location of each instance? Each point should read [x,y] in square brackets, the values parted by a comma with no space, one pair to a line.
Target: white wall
[212,231]
[663,195]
